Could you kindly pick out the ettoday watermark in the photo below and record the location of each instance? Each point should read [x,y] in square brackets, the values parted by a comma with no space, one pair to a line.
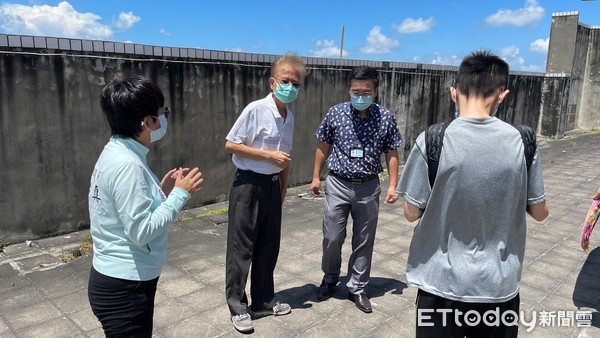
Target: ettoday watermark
[496,317]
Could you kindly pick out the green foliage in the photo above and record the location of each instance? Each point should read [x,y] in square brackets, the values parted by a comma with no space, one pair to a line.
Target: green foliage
[3,244]
[213,212]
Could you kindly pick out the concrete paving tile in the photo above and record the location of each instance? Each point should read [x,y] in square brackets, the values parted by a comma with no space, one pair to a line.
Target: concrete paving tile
[387,248]
[6,270]
[563,264]
[73,302]
[539,266]
[38,262]
[297,293]
[179,286]
[52,274]
[192,327]
[5,331]
[25,316]
[205,299]
[564,252]
[532,294]
[18,296]
[396,327]
[555,302]
[296,266]
[218,317]
[96,333]
[194,278]
[64,286]
[542,280]
[214,274]
[394,306]
[169,313]
[85,319]
[59,327]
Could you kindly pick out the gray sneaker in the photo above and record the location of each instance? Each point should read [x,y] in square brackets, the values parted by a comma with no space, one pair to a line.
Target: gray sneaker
[280,309]
[242,323]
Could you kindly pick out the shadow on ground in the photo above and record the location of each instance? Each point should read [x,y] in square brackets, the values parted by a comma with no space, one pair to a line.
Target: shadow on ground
[299,297]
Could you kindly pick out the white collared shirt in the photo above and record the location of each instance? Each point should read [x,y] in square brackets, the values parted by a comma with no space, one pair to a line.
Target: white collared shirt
[261,126]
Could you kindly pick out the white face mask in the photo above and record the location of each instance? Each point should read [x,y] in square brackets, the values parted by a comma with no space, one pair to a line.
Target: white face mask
[157,134]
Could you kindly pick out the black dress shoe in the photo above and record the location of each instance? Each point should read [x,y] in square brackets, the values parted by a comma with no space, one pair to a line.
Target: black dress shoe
[325,291]
[361,301]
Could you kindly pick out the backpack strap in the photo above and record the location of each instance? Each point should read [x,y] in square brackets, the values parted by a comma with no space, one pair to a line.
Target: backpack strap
[529,142]
[434,139]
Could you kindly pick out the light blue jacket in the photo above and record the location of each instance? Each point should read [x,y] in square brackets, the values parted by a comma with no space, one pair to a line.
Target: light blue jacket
[129,213]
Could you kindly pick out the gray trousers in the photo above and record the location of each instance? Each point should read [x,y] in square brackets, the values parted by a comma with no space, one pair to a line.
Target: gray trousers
[361,201]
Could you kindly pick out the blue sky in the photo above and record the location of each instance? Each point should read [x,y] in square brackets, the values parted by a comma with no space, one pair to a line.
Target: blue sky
[440,32]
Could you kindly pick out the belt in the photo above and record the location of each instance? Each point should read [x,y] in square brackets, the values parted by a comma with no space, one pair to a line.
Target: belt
[358,180]
[271,177]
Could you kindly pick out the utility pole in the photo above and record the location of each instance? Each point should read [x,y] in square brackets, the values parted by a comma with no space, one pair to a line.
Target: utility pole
[342,43]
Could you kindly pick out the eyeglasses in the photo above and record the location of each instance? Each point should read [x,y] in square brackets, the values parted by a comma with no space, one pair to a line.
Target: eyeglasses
[166,112]
[286,81]
[356,93]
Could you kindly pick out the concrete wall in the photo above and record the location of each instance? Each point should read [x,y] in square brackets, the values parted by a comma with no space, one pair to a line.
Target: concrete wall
[589,99]
[52,127]
[572,53]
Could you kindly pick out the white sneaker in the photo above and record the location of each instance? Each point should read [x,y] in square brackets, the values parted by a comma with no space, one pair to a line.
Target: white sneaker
[280,309]
[242,323]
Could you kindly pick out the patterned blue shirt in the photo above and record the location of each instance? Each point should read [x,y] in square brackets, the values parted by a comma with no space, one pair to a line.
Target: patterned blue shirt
[346,131]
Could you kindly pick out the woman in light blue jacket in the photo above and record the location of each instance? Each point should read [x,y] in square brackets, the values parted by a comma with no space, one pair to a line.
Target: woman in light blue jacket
[130,209]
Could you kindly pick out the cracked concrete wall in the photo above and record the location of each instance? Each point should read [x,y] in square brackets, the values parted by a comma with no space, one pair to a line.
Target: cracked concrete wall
[53,129]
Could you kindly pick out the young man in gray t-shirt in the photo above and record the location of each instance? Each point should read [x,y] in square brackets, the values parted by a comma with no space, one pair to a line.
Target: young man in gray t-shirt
[467,249]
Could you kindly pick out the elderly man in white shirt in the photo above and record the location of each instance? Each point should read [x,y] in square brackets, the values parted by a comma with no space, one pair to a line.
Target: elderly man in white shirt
[261,142]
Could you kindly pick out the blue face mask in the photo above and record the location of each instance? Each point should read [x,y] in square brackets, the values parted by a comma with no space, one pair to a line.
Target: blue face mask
[159,133]
[361,102]
[286,93]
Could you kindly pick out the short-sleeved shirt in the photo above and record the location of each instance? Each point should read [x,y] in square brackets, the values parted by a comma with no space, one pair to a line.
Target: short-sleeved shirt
[469,243]
[261,126]
[346,131]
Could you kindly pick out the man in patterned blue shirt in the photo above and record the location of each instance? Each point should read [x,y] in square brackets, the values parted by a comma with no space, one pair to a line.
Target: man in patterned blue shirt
[352,137]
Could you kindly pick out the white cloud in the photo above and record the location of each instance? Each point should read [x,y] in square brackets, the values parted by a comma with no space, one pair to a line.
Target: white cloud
[127,20]
[440,59]
[62,20]
[327,48]
[530,15]
[415,25]
[512,56]
[540,45]
[236,49]
[377,43]
[164,32]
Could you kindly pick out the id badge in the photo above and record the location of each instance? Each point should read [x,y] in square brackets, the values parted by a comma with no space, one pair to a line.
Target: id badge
[356,153]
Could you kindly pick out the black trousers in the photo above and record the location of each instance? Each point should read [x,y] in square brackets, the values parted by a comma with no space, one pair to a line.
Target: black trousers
[253,235]
[438,317]
[124,307]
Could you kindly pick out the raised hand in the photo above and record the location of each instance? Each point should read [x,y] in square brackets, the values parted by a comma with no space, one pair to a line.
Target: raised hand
[192,182]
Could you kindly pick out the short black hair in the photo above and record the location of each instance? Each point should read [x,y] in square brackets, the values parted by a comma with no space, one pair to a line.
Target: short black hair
[481,74]
[365,73]
[126,103]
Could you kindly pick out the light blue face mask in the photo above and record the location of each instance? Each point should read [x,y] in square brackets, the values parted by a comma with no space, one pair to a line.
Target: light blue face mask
[361,102]
[159,133]
[286,93]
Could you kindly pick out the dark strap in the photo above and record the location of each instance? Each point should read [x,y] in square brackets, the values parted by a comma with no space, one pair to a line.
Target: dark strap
[529,142]
[434,139]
